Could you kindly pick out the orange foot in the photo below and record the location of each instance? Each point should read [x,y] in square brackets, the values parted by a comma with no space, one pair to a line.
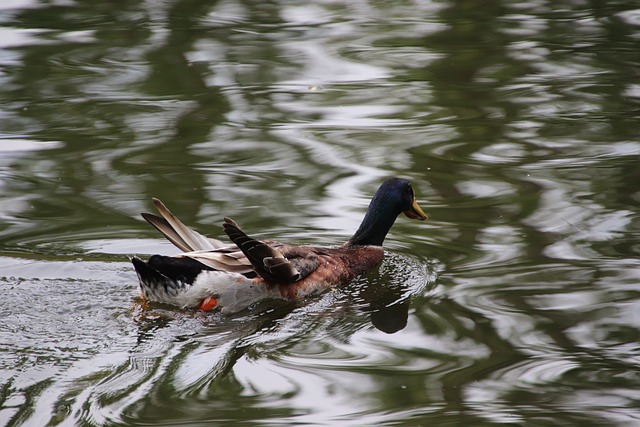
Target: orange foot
[207,304]
[141,303]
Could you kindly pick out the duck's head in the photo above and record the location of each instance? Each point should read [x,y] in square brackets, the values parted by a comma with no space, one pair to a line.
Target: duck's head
[394,196]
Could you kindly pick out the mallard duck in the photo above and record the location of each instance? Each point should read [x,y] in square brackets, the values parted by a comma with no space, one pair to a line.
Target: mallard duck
[210,274]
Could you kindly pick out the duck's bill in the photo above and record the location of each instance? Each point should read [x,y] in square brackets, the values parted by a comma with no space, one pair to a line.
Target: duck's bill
[415,211]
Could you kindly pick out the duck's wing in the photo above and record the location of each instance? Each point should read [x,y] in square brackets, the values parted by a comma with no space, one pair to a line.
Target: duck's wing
[179,234]
[246,256]
[228,258]
[267,260]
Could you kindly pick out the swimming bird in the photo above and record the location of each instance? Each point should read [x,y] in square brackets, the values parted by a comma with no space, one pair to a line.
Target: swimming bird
[210,274]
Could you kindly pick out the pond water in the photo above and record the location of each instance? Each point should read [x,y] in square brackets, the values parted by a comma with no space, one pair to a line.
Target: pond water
[518,124]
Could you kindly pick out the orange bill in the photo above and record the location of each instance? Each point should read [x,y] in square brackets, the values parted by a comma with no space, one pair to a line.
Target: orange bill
[415,211]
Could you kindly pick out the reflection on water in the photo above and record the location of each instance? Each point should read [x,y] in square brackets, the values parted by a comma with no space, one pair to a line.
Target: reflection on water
[87,351]
[517,124]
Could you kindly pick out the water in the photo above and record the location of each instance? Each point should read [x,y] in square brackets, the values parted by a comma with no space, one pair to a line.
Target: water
[517,123]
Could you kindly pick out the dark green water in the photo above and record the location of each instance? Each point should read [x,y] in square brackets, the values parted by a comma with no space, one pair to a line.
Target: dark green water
[517,122]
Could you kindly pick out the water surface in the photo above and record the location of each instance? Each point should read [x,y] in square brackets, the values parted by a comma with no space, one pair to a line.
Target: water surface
[517,123]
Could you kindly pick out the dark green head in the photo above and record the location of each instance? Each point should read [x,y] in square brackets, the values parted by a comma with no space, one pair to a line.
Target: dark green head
[394,196]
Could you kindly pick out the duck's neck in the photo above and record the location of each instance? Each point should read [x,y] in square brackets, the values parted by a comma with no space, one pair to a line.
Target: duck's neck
[375,225]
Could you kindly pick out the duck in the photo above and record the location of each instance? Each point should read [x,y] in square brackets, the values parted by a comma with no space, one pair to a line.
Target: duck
[212,275]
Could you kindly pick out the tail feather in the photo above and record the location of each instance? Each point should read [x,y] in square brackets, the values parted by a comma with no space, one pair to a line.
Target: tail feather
[154,286]
[230,292]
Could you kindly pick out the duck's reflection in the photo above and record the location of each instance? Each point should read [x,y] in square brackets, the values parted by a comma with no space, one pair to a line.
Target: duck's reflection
[391,318]
[387,305]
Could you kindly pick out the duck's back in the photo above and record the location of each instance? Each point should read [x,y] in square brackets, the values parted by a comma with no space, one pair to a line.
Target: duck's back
[335,266]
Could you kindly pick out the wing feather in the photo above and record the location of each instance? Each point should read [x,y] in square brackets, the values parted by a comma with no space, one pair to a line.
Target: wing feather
[247,256]
[227,258]
[219,261]
[267,261]
[185,238]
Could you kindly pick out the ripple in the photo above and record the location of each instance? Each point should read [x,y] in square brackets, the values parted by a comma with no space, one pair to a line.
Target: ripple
[15,37]
[13,145]
[105,383]
[631,17]
[516,304]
